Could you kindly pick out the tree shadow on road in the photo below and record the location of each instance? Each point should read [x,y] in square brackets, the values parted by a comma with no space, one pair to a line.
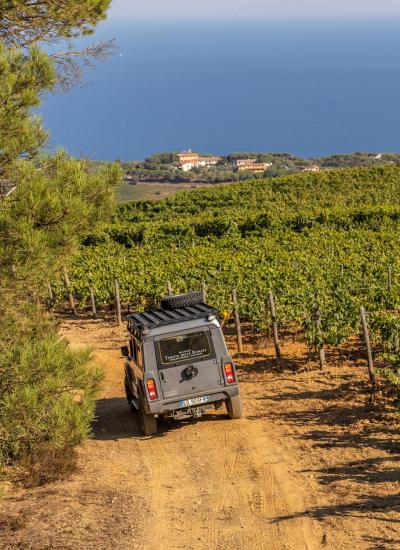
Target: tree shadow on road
[331,413]
[366,508]
[381,543]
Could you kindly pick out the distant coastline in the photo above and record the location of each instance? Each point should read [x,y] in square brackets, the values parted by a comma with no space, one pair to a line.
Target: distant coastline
[199,168]
[163,174]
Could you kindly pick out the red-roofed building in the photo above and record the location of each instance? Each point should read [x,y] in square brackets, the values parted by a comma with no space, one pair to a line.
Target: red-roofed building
[189,160]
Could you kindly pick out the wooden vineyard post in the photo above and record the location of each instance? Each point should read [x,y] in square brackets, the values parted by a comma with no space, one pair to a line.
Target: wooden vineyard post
[398,384]
[93,301]
[321,348]
[371,370]
[390,279]
[277,345]
[51,295]
[204,292]
[118,302]
[237,321]
[70,295]
[169,288]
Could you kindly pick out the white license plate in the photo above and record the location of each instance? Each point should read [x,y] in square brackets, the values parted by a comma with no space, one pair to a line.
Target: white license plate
[194,401]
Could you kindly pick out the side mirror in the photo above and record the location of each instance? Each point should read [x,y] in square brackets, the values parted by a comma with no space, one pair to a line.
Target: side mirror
[124,351]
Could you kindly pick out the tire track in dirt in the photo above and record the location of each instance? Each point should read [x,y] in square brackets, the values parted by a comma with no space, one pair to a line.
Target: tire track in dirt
[171,493]
[242,491]
[213,486]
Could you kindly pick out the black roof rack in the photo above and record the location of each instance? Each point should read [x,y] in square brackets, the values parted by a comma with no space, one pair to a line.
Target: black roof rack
[153,318]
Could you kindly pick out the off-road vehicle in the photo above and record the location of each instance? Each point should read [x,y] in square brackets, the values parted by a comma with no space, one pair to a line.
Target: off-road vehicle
[177,363]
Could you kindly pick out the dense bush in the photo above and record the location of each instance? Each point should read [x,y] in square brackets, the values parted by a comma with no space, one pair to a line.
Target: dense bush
[47,395]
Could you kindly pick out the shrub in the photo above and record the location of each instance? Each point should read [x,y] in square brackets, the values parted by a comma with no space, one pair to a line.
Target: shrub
[47,398]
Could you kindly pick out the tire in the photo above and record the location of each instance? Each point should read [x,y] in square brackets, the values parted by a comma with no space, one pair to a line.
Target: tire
[234,407]
[148,422]
[130,397]
[182,300]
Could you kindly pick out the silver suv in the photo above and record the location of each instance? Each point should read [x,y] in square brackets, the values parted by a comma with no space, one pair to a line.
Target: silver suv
[177,363]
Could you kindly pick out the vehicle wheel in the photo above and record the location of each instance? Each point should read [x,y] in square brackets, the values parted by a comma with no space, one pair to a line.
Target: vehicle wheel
[130,398]
[148,422]
[182,300]
[234,407]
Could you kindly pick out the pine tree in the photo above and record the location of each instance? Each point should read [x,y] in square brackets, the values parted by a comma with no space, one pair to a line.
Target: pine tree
[23,23]
[47,390]
[23,78]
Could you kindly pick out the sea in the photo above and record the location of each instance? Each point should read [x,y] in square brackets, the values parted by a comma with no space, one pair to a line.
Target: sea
[311,88]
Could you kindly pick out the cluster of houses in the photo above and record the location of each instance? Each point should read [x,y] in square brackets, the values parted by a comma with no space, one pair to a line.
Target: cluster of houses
[189,160]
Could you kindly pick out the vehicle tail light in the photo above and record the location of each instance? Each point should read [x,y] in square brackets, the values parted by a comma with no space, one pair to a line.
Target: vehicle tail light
[151,388]
[229,373]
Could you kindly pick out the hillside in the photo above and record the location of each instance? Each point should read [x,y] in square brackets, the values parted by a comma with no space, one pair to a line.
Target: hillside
[264,232]
[163,174]
[326,241]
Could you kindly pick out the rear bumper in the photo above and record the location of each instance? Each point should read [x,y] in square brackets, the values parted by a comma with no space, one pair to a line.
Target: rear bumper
[165,405]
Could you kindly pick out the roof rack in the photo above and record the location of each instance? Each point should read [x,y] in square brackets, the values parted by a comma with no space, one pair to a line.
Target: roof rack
[153,318]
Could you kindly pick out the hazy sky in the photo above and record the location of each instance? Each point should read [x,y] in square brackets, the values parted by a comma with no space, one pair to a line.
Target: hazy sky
[256,8]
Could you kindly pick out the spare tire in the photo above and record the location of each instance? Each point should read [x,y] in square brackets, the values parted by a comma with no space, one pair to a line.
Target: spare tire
[182,300]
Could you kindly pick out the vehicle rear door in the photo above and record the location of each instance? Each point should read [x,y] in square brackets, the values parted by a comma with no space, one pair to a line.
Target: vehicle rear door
[187,363]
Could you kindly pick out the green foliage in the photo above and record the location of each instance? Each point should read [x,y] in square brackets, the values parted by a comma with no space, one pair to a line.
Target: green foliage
[57,201]
[324,238]
[23,23]
[23,78]
[46,395]
[47,390]
[155,162]
[358,159]
[386,329]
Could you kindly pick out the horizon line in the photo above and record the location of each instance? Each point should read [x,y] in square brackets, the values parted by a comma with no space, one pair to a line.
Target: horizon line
[256,18]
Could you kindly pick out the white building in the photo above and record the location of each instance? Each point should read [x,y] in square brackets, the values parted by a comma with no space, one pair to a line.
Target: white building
[189,160]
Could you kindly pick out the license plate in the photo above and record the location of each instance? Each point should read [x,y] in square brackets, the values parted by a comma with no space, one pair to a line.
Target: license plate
[194,401]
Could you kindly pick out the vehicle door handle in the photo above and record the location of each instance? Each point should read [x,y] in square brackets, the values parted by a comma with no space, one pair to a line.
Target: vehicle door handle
[162,376]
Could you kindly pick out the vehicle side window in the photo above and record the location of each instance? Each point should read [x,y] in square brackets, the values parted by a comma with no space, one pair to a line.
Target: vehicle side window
[136,352]
[139,354]
[132,348]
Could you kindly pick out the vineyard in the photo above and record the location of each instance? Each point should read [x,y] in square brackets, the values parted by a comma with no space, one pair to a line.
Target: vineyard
[329,241]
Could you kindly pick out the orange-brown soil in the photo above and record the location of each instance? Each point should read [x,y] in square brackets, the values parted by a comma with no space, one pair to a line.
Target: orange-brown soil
[311,465]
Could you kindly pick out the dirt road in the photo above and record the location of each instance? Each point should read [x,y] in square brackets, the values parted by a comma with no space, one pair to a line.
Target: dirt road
[211,484]
[214,484]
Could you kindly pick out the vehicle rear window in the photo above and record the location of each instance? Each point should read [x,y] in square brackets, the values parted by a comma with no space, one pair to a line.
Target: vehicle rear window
[184,347]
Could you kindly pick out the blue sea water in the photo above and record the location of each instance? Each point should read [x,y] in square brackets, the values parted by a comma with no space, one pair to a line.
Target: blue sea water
[311,88]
